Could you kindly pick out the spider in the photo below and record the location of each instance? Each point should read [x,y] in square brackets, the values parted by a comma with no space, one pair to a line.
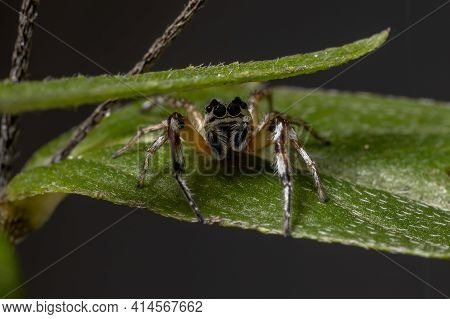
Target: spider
[226,129]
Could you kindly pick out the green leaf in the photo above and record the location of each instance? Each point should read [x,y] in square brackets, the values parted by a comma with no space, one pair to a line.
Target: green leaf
[386,173]
[9,273]
[32,96]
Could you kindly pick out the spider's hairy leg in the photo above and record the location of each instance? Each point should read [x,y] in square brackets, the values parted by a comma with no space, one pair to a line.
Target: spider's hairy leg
[193,114]
[176,124]
[141,132]
[261,136]
[275,129]
[255,99]
[283,168]
[309,163]
[305,125]
[148,155]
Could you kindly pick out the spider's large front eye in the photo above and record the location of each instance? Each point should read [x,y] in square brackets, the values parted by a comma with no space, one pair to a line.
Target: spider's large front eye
[220,111]
[234,109]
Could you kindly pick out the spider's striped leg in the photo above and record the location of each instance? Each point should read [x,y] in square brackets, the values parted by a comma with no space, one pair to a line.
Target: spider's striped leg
[274,129]
[141,132]
[148,155]
[255,99]
[194,115]
[309,163]
[176,125]
[283,167]
[305,125]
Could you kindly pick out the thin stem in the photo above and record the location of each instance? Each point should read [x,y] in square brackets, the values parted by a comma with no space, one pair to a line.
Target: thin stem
[9,125]
[172,31]
[147,61]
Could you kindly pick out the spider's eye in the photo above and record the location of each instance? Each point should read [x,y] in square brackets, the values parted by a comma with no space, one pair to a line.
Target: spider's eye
[237,100]
[211,105]
[236,106]
[234,109]
[220,111]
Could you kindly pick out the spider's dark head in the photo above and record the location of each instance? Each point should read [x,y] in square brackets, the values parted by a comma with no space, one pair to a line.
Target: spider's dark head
[227,127]
[215,110]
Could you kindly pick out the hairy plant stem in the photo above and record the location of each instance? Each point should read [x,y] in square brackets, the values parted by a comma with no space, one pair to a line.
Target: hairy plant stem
[9,124]
[148,60]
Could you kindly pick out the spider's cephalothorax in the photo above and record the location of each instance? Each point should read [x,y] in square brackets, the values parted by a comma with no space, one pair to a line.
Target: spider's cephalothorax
[229,128]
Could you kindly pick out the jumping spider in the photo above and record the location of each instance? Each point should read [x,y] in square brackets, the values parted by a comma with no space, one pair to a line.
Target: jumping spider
[232,128]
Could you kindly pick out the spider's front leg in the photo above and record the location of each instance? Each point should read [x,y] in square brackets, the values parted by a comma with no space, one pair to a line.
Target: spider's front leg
[283,168]
[275,129]
[176,125]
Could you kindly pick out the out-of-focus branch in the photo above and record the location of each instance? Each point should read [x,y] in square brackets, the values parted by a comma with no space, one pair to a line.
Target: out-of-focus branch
[148,60]
[9,125]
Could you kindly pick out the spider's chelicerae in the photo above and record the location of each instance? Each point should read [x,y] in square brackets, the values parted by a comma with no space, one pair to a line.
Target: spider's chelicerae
[225,129]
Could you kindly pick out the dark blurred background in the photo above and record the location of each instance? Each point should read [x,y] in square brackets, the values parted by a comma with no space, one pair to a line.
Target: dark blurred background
[147,255]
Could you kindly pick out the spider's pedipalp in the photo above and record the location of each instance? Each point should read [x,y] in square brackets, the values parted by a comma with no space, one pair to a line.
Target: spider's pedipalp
[309,163]
[238,136]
